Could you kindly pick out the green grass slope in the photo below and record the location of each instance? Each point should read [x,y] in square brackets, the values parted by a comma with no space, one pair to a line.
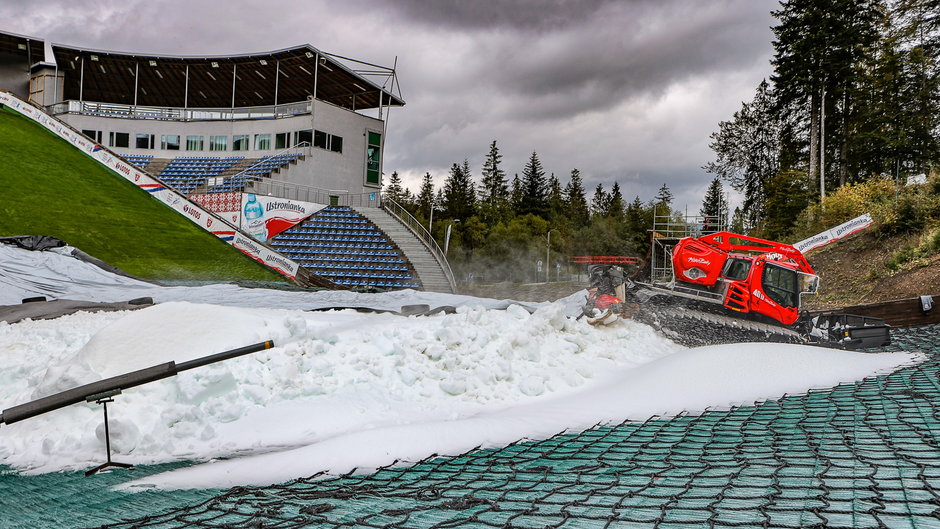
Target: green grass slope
[48,187]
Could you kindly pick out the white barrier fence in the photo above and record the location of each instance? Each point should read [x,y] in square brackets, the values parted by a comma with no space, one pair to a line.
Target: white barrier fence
[157,189]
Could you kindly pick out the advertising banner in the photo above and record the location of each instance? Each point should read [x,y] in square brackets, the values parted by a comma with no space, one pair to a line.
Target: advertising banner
[834,234]
[264,217]
[226,205]
[201,216]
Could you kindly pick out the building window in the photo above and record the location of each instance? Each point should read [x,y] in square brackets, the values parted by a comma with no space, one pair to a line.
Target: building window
[95,135]
[336,143]
[194,143]
[144,141]
[303,137]
[373,156]
[218,143]
[320,139]
[240,142]
[170,142]
[281,139]
[262,142]
[119,139]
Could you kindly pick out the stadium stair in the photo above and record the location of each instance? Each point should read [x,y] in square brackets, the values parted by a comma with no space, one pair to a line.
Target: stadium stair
[429,271]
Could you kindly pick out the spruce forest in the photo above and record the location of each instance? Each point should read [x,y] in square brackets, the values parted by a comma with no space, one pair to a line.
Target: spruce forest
[848,122]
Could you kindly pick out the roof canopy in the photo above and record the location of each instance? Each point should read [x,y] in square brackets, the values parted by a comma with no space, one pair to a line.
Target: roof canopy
[261,79]
[31,48]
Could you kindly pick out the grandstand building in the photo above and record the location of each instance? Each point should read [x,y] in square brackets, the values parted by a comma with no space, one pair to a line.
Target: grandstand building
[329,109]
[282,145]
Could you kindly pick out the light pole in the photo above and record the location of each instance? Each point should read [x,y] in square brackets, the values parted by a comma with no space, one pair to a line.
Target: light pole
[548,247]
[447,235]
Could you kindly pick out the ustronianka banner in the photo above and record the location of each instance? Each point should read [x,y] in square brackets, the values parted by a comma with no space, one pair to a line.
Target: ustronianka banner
[834,234]
[264,217]
[189,209]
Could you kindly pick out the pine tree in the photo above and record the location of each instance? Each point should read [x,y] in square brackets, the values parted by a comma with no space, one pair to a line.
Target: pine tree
[600,204]
[534,189]
[494,199]
[459,197]
[425,200]
[787,196]
[748,149]
[516,196]
[663,201]
[575,201]
[714,207]
[638,219]
[738,222]
[615,205]
[395,192]
[821,47]
[556,200]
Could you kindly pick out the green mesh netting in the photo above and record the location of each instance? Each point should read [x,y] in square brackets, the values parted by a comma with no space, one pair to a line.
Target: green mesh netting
[861,455]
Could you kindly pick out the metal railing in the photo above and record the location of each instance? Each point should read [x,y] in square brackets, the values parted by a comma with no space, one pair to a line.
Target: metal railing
[401,214]
[180,114]
[333,197]
[300,149]
[667,230]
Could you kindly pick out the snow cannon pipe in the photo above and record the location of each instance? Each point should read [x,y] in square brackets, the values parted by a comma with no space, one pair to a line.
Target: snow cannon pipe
[119,382]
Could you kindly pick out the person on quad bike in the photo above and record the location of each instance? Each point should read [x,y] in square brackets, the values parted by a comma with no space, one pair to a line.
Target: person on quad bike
[607,291]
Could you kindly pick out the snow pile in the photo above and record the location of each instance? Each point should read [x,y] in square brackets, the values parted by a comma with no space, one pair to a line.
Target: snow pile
[331,373]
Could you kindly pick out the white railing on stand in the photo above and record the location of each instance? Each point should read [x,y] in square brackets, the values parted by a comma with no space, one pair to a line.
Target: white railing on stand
[116,110]
[401,214]
[292,191]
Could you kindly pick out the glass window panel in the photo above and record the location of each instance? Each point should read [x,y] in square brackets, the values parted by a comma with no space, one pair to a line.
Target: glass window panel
[280,140]
[170,142]
[240,142]
[319,139]
[144,141]
[194,143]
[120,139]
[262,142]
[336,143]
[303,136]
[218,143]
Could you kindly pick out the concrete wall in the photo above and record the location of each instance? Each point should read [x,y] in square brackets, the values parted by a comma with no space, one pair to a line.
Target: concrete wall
[322,168]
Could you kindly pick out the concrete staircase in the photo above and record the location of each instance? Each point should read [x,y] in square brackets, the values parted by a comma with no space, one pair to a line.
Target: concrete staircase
[430,272]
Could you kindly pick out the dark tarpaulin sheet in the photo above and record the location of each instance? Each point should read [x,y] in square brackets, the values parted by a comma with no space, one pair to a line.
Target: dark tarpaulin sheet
[47,310]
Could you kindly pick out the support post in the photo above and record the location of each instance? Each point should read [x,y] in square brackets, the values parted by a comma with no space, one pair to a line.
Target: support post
[186,92]
[104,399]
[136,77]
[277,81]
[822,148]
[234,73]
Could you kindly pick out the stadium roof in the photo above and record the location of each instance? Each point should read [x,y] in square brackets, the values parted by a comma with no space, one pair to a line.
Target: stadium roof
[258,79]
[31,48]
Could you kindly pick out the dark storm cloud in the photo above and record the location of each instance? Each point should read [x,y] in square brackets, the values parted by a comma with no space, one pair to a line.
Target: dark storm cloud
[537,15]
[625,91]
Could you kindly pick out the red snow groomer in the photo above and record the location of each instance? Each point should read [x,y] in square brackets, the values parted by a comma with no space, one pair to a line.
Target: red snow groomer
[744,274]
[761,284]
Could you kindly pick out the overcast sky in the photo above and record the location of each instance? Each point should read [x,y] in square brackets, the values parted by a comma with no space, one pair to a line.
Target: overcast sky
[623,90]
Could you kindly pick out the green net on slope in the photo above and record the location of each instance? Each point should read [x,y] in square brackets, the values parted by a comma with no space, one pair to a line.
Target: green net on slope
[861,455]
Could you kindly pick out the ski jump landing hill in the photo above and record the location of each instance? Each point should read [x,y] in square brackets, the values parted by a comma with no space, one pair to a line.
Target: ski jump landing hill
[157,189]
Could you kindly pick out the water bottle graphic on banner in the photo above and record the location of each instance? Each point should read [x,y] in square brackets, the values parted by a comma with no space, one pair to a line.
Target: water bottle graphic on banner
[254,218]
